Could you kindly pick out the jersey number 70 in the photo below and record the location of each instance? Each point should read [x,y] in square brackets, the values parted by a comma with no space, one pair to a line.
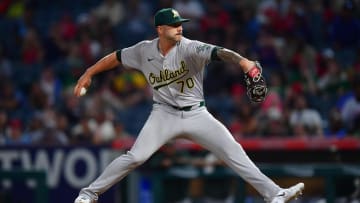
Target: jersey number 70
[189,82]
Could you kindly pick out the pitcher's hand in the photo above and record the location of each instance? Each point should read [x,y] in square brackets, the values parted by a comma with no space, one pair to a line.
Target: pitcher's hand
[84,81]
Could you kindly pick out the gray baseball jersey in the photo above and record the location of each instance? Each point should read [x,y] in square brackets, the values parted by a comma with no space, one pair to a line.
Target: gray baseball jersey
[177,77]
[177,81]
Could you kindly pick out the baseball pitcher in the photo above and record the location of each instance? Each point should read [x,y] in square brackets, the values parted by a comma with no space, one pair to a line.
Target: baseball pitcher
[174,67]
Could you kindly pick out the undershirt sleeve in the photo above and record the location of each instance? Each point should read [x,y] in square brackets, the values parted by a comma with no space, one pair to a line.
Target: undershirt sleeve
[118,55]
[214,56]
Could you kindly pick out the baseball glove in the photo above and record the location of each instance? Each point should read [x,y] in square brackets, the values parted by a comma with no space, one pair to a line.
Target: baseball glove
[256,88]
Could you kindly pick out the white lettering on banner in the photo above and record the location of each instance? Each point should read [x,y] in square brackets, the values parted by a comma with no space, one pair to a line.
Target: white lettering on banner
[53,169]
[25,159]
[58,163]
[91,168]
[7,158]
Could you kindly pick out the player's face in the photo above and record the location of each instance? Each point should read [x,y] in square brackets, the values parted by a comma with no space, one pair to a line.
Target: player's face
[171,32]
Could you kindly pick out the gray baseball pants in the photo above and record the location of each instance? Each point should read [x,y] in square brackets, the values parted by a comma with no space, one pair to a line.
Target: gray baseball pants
[164,124]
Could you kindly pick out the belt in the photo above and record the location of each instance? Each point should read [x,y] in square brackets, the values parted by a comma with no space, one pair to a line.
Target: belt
[187,108]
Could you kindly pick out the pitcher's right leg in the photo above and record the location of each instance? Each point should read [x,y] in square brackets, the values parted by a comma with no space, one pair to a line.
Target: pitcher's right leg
[153,135]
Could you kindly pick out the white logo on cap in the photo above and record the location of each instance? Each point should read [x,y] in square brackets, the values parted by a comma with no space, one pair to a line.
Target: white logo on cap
[176,14]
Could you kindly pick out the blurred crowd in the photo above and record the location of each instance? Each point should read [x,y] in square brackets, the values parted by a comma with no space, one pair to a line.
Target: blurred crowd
[309,50]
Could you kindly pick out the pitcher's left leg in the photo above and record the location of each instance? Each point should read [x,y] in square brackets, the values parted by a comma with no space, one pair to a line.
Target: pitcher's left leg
[210,133]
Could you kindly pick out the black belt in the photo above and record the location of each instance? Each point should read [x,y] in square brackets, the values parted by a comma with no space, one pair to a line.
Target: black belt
[187,108]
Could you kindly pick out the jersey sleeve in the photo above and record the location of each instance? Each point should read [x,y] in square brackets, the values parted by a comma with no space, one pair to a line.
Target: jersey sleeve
[131,56]
[202,52]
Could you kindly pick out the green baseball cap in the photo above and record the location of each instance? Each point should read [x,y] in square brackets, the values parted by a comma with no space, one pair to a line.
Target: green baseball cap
[168,16]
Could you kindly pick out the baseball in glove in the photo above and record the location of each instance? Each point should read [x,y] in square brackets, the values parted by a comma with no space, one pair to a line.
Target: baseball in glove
[256,88]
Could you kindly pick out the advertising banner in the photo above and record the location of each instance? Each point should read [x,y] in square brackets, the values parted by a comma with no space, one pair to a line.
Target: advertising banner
[67,170]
